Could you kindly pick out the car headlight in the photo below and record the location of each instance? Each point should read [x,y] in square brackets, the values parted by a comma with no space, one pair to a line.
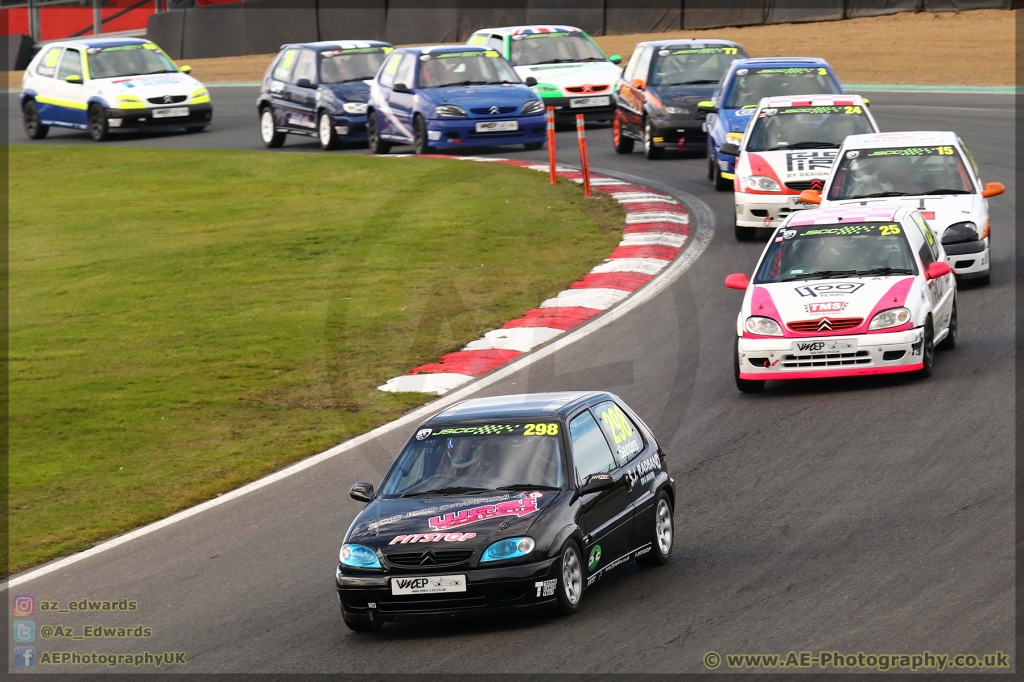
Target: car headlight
[735,138]
[200,96]
[130,102]
[960,232]
[762,183]
[893,317]
[510,548]
[676,110]
[358,556]
[450,111]
[764,326]
[534,106]
[354,107]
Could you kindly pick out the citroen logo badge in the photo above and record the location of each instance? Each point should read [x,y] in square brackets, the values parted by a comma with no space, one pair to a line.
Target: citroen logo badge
[825,325]
[168,99]
[495,110]
[817,184]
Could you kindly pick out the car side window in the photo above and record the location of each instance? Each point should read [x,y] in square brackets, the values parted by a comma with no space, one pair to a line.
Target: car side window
[970,157]
[590,452]
[929,238]
[48,64]
[71,64]
[305,67]
[643,65]
[283,72]
[405,71]
[620,430]
[498,43]
[387,73]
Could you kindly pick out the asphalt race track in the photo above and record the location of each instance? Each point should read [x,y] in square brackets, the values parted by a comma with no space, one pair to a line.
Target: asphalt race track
[872,515]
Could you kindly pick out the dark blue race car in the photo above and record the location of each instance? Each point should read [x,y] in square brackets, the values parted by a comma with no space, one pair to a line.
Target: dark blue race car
[736,97]
[319,90]
[451,96]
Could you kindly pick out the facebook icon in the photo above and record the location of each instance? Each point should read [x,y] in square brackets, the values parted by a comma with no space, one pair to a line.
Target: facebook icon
[24,656]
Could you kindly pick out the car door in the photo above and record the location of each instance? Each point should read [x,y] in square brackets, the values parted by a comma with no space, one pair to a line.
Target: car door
[382,87]
[940,290]
[280,79]
[73,109]
[401,103]
[606,515]
[301,105]
[46,95]
[631,100]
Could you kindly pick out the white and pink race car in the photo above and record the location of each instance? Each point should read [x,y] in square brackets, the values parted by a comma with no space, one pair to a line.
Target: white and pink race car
[843,292]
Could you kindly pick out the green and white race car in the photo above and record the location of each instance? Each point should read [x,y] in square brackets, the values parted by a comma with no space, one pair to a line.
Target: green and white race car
[573,75]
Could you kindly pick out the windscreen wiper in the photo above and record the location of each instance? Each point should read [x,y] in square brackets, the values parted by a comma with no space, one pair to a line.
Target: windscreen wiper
[822,274]
[448,490]
[699,81]
[947,191]
[466,83]
[885,271]
[877,195]
[811,144]
[527,486]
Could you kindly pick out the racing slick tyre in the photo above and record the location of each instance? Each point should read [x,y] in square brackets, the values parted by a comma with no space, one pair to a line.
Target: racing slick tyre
[949,343]
[650,151]
[721,184]
[34,128]
[419,132]
[99,128]
[745,385]
[927,350]
[570,579]
[361,625]
[623,144]
[712,166]
[269,133]
[662,533]
[745,234]
[373,139]
[325,132]
[533,146]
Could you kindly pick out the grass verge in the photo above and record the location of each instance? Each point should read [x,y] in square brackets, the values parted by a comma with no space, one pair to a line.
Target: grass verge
[182,322]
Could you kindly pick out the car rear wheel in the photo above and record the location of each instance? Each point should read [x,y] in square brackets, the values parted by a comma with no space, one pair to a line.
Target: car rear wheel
[949,343]
[663,533]
[326,133]
[271,136]
[745,385]
[420,140]
[927,350]
[99,128]
[373,139]
[650,151]
[570,579]
[34,127]
[623,144]
[745,234]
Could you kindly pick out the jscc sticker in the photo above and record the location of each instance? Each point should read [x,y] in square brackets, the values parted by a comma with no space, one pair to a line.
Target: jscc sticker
[518,507]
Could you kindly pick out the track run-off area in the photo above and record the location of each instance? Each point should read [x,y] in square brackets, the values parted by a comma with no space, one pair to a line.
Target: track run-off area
[867,515]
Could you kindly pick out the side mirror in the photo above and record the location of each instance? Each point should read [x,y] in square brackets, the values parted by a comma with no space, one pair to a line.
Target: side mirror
[810,196]
[362,492]
[737,280]
[867,102]
[531,81]
[597,482]
[401,87]
[938,269]
[305,83]
[185,69]
[992,189]
[74,78]
[730,149]
[638,83]
[707,106]
[615,59]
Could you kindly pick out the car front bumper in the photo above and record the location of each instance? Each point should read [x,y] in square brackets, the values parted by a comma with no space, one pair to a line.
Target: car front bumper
[803,358]
[351,127]
[508,589]
[970,259]
[676,131]
[452,133]
[134,120]
[563,107]
[765,210]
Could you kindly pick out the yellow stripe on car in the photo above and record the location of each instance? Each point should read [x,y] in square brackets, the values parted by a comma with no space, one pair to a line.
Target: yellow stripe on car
[70,104]
[728,176]
[201,96]
[130,102]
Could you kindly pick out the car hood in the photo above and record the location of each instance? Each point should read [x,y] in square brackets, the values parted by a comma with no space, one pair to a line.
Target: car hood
[735,120]
[940,211]
[832,298]
[155,85]
[352,91]
[449,521]
[466,96]
[797,165]
[573,74]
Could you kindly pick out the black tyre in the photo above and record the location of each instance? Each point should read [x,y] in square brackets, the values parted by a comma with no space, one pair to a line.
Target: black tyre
[623,144]
[650,151]
[927,350]
[271,136]
[744,385]
[34,127]
[533,146]
[721,184]
[570,579]
[662,534]
[712,165]
[745,234]
[325,131]
[373,139]
[419,132]
[949,343]
[99,128]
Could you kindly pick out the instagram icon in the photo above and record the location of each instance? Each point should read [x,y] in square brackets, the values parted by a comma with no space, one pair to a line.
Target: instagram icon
[24,605]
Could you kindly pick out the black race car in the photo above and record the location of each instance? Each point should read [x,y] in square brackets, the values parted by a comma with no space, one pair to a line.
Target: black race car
[507,504]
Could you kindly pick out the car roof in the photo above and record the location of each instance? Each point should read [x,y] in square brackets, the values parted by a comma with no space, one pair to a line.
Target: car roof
[521,406]
[532,28]
[811,100]
[779,61]
[912,138]
[338,44]
[847,214]
[97,42]
[449,47]
[689,42]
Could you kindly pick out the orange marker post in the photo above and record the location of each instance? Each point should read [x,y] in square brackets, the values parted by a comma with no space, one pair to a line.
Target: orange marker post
[551,144]
[581,136]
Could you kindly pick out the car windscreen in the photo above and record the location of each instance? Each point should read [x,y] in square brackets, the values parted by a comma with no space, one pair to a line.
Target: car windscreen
[692,65]
[441,69]
[810,252]
[475,458]
[553,48]
[907,171]
[750,85]
[819,127]
[341,66]
[119,61]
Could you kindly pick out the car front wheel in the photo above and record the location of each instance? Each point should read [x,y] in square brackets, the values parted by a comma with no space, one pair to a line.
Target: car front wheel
[99,127]
[651,151]
[949,343]
[927,350]
[34,127]
[326,133]
[420,140]
[570,579]
[373,139]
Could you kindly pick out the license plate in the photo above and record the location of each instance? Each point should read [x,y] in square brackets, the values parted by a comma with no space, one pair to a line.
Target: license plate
[577,102]
[170,113]
[824,346]
[433,584]
[496,126]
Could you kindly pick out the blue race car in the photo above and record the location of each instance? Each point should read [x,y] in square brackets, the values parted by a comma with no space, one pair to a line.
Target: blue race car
[737,95]
[450,96]
[319,90]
